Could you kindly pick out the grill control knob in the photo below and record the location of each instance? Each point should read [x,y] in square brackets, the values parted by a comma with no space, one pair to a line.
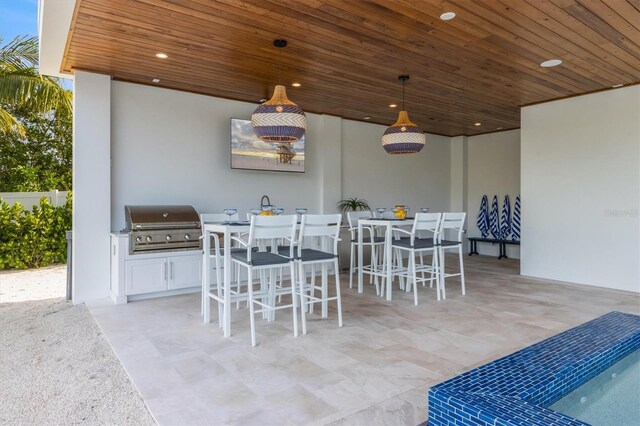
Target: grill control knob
[138,239]
[168,238]
[149,239]
[187,237]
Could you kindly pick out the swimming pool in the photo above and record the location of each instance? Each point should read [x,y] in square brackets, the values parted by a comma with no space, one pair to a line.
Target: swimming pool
[519,388]
[611,398]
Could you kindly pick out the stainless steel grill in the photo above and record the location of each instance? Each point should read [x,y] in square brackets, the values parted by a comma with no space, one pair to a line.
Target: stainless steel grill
[162,228]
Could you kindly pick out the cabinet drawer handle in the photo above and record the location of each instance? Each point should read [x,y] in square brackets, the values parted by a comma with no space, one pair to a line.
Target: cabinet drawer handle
[171,270]
[165,271]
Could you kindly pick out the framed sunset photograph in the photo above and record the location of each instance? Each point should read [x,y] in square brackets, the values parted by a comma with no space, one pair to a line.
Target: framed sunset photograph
[248,152]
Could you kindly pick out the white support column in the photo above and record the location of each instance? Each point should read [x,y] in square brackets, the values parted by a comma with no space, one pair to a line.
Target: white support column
[331,151]
[91,186]
[459,185]
[458,189]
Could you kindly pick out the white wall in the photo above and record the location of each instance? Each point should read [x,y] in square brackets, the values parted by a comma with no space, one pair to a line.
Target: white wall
[581,189]
[417,180]
[171,147]
[91,186]
[493,168]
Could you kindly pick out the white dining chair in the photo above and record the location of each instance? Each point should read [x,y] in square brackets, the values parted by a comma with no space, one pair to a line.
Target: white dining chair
[452,223]
[216,255]
[370,239]
[413,245]
[264,230]
[321,231]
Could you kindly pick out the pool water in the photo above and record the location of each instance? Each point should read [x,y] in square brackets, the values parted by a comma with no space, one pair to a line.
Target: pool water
[610,398]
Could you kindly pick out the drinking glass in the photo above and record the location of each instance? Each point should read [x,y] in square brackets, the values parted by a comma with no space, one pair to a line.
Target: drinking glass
[230,212]
[255,212]
[424,210]
[300,211]
[381,210]
[278,210]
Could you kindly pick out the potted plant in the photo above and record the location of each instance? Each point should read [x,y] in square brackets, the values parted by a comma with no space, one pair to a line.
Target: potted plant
[353,205]
[344,206]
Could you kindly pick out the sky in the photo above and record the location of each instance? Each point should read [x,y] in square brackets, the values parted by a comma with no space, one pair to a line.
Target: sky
[18,17]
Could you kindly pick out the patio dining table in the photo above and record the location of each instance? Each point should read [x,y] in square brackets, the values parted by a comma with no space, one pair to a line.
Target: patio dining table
[386,274]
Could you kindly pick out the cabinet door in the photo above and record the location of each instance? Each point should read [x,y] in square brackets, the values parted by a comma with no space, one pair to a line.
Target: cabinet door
[185,271]
[146,276]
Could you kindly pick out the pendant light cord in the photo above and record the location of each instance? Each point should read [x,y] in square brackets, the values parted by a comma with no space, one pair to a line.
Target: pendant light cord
[279,64]
[403,94]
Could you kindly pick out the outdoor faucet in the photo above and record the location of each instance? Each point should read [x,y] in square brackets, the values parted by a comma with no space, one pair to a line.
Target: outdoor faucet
[262,202]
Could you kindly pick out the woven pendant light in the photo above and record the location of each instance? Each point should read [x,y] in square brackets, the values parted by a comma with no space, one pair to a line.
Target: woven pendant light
[278,119]
[403,136]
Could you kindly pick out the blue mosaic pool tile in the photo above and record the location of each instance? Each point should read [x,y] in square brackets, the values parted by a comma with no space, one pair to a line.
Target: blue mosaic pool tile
[516,389]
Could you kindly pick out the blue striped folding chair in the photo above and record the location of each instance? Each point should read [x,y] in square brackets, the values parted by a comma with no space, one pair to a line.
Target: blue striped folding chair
[494,220]
[482,219]
[515,228]
[505,218]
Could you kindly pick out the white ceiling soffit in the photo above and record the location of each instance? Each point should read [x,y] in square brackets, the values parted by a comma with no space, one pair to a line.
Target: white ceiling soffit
[54,22]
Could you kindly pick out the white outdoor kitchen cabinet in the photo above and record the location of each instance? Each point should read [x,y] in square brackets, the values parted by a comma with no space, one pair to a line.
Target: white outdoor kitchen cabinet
[137,276]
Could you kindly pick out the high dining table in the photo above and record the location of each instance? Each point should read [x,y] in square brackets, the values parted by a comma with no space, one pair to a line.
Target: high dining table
[227,229]
[388,225]
[224,298]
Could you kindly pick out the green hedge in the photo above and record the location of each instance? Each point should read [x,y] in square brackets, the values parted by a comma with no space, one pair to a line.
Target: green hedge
[31,239]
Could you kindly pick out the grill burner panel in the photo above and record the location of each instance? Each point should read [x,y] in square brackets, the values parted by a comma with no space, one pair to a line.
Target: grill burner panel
[162,228]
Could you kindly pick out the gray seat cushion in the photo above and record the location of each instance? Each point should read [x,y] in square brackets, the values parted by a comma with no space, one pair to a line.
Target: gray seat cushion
[447,243]
[310,255]
[367,240]
[260,258]
[419,243]
[233,250]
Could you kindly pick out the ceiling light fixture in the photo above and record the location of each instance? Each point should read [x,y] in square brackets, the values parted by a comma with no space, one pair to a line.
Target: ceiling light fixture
[368,117]
[162,55]
[447,16]
[296,84]
[156,80]
[550,63]
[615,86]
[403,137]
[392,105]
[477,124]
[278,119]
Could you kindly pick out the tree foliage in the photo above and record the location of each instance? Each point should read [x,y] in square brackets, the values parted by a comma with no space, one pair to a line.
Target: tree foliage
[31,239]
[41,160]
[22,85]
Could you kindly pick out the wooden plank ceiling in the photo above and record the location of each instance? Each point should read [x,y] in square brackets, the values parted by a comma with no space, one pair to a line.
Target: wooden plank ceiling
[347,54]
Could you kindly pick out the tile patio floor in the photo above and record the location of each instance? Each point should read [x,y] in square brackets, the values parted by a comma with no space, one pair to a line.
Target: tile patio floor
[374,370]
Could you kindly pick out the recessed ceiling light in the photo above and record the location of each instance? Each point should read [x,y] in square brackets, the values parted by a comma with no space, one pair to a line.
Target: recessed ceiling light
[447,16]
[392,105]
[551,63]
[263,100]
[162,55]
[499,128]
[477,124]
[367,117]
[296,84]
[615,86]
[156,80]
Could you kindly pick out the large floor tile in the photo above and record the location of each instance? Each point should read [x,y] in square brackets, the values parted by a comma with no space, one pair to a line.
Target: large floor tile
[376,369]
